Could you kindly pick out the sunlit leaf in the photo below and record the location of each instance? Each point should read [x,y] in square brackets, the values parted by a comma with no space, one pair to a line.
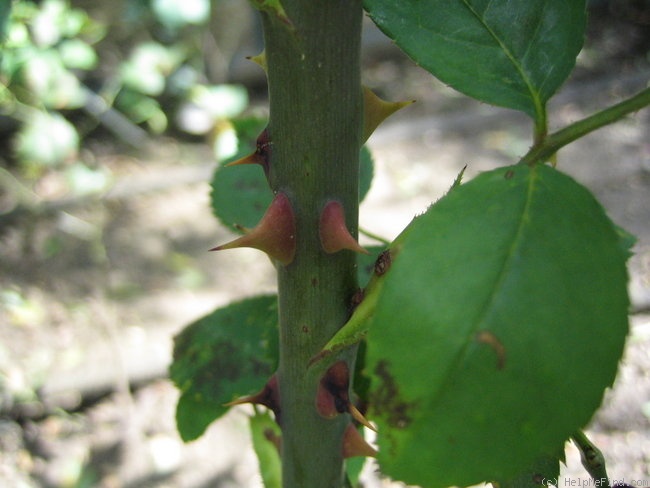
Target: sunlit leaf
[512,303]
[50,83]
[77,54]
[148,66]
[46,140]
[177,13]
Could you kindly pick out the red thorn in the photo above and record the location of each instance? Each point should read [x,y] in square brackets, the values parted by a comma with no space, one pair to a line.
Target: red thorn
[326,403]
[334,235]
[269,396]
[262,154]
[355,445]
[332,397]
[275,234]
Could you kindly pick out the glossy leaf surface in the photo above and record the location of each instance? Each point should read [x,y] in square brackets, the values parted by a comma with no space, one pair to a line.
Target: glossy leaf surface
[227,354]
[512,53]
[511,300]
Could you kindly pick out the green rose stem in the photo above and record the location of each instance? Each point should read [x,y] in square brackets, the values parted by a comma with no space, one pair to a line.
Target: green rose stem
[315,130]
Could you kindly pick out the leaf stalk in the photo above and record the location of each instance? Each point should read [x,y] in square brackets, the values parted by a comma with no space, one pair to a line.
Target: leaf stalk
[545,149]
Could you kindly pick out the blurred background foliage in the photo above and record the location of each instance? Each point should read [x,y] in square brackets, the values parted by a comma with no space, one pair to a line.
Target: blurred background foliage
[120,71]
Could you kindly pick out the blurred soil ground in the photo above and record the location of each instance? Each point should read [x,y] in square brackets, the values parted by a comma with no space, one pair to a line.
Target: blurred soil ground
[93,290]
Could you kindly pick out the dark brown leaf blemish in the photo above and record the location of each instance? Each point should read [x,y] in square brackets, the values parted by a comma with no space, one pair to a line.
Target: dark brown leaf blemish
[386,399]
[487,337]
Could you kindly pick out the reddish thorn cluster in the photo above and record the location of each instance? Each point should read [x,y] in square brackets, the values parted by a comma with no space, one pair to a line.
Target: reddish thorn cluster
[275,234]
[334,234]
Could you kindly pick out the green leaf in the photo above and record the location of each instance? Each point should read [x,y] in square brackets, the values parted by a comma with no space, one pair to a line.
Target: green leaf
[498,326]
[512,53]
[77,54]
[366,263]
[50,82]
[353,468]
[227,354]
[366,172]
[148,67]
[241,194]
[220,101]
[542,473]
[174,14]
[46,140]
[262,424]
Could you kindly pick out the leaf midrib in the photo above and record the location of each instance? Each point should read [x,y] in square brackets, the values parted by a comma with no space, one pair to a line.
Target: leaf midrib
[504,272]
[534,95]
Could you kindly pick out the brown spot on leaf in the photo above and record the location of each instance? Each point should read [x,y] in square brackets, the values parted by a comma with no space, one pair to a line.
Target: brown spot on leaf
[356,299]
[386,399]
[487,337]
[509,174]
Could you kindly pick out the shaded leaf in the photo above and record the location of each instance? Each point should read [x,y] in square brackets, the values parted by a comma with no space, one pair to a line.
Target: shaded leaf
[512,53]
[366,172]
[224,355]
[512,304]
[263,426]
[542,473]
